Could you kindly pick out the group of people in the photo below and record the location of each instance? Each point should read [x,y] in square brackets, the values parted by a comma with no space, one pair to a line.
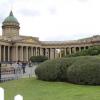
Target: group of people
[20,68]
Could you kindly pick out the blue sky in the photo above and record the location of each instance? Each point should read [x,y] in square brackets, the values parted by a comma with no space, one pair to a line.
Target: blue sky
[54,19]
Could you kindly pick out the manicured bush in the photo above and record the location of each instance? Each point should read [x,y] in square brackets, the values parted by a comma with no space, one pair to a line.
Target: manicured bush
[86,70]
[79,70]
[37,59]
[47,71]
[53,70]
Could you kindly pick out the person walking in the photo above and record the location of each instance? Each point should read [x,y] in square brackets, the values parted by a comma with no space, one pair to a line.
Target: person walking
[16,70]
[17,67]
[23,67]
[30,68]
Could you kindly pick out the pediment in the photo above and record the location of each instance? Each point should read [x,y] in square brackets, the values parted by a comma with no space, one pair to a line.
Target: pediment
[29,40]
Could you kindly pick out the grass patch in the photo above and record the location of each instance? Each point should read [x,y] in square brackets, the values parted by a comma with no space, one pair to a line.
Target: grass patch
[33,89]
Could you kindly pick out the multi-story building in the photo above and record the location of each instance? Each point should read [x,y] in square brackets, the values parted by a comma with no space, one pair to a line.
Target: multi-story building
[15,47]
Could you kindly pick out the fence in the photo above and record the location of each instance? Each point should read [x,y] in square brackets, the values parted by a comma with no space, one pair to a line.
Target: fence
[9,73]
[17,97]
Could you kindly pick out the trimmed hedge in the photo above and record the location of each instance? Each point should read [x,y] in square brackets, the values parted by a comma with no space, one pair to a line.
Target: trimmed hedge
[85,71]
[53,70]
[37,59]
[79,70]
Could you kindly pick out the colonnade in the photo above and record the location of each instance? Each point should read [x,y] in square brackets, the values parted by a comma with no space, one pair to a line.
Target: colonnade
[23,53]
[57,52]
[4,53]
[15,53]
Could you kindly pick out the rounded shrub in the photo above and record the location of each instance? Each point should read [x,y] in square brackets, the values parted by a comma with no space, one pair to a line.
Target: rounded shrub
[54,70]
[85,70]
[37,59]
[47,71]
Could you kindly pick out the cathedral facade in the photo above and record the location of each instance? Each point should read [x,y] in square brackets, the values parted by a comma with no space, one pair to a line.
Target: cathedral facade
[14,47]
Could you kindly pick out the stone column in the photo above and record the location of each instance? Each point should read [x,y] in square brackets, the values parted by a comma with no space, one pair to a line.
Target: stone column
[69,50]
[4,54]
[8,53]
[26,53]
[16,53]
[0,52]
[31,51]
[45,52]
[41,52]
[79,49]
[65,51]
[74,49]
[50,53]
[60,54]
[21,53]
[36,51]
[54,53]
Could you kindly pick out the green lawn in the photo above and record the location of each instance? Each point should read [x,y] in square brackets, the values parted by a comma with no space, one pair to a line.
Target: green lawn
[33,89]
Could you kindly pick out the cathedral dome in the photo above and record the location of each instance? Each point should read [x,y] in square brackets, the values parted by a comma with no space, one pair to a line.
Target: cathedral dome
[10,26]
[11,19]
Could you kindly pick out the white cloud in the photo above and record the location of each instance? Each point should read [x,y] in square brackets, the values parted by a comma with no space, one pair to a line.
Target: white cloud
[83,0]
[55,19]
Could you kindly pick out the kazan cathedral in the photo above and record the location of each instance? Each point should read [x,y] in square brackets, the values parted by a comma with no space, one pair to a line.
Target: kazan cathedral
[14,47]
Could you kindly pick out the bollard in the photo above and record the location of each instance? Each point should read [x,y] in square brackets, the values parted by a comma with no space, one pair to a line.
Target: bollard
[1,94]
[18,97]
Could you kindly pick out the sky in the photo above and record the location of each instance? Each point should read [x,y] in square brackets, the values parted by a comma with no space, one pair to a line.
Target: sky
[54,20]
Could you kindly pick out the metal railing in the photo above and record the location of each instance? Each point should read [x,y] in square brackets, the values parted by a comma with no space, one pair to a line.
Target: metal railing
[9,73]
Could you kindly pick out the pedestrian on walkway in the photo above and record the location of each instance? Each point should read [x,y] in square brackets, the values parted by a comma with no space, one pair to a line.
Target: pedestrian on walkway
[18,67]
[23,66]
[30,67]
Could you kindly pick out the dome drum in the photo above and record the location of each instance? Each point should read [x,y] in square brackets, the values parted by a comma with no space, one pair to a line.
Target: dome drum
[11,24]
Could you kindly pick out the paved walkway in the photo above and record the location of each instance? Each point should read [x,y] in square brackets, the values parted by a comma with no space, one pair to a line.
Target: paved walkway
[30,72]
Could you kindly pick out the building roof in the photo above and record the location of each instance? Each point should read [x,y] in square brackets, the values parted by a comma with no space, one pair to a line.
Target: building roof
[10,18]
